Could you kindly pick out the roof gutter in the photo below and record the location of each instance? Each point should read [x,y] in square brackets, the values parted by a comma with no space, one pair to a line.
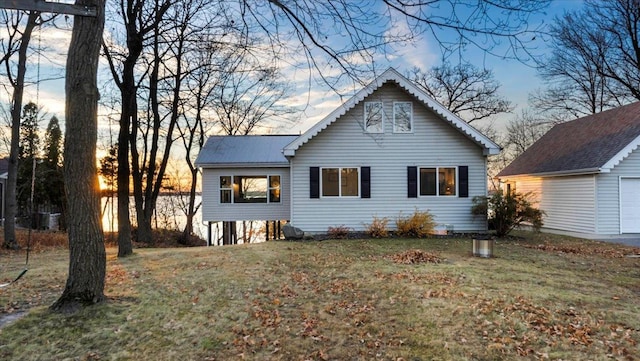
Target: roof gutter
[242,165]
[561,173]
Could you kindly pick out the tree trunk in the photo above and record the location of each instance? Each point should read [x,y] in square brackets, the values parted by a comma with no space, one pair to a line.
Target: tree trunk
[144,233]
[128,107]
[191,209]
[87,261]
[10,240]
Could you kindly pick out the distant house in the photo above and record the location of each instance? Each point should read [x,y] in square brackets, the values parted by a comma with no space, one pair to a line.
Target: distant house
[387,151]
[585,174]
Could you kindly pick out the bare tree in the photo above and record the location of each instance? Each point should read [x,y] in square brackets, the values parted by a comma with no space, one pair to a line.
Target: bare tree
[298,31]
[524,130]
[16,42]
[619,22]
[595,60]
[469,92]
[139,19]
[247,98]
[231,91]
[87,256]
[172,42]
[200,87]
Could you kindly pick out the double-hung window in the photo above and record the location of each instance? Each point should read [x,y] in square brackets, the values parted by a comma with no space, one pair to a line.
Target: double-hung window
[438,181]
[226,189]
[340,182]
[402,117]
[250,189]
[373,117]
[274,188]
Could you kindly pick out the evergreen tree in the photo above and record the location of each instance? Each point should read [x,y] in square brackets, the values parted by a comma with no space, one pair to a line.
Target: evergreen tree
[53,143]
[51,170]
[29,138]
[109,168]
[28,158]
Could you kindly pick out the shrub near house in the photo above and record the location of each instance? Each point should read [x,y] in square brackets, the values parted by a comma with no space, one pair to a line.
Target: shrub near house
[507,211]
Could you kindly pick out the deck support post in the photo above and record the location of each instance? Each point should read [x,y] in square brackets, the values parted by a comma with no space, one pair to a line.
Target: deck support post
[229,235]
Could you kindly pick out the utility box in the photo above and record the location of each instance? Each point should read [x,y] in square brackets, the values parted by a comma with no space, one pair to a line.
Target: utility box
[483,247]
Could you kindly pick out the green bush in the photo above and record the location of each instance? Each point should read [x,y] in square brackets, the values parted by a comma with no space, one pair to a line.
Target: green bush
[378,228]
[505,212]
[419,225]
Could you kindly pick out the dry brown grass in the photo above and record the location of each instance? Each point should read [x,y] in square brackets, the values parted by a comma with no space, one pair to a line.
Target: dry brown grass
[340,300]
[39,241]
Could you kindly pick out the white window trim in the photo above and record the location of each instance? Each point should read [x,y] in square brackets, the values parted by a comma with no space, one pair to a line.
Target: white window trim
[395,129]
[220,189]
[364,111]
[340,183]
[438,183]
[269,188]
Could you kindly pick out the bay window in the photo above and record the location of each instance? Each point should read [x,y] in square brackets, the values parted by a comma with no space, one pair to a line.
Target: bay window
[250,189]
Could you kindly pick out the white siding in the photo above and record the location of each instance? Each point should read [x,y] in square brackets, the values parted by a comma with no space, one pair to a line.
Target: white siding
[213,210]
[569,203]
[344,144]
[608,187]
[532,185]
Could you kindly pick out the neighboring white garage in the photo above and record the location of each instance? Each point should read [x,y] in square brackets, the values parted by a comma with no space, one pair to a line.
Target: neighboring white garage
[629,205]
[585,174]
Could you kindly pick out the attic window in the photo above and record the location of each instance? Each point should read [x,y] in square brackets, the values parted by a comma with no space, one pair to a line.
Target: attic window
[373,117]
[402,117]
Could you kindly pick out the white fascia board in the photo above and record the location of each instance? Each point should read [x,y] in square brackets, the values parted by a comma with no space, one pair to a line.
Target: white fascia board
[621,155]
[489,146]
[242,165]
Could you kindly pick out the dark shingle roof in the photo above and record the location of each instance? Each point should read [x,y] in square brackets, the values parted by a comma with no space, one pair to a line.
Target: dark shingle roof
[244,150]
[584,145]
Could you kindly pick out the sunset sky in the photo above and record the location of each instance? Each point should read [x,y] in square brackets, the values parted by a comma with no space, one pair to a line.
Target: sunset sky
[517,79]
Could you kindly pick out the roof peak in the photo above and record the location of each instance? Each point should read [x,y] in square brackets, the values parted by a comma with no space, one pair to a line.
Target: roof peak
[425,99]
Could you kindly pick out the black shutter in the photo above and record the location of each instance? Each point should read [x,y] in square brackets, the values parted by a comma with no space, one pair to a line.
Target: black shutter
[314,182]
[365,182]
[463,178]
[412,182]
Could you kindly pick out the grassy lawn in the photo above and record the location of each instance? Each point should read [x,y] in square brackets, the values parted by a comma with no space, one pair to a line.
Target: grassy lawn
[541,297]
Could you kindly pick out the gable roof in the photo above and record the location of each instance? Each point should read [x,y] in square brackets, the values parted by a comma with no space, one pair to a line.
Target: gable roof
[391,75]
[592,144]
[244,151]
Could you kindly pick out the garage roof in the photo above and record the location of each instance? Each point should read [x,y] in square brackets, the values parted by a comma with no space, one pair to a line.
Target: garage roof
[592,144]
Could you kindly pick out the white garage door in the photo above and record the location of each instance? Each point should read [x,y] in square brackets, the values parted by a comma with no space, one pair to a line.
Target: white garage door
[630,205]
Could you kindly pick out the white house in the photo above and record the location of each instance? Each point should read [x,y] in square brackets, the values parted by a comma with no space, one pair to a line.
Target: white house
[585,174]
[387,151]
